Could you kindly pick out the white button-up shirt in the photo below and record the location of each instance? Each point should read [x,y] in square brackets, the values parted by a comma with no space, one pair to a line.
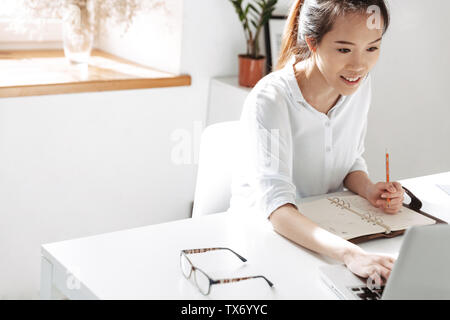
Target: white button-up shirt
[289,150]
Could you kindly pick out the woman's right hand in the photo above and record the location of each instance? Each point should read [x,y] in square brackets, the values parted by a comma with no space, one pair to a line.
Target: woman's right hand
[375,267]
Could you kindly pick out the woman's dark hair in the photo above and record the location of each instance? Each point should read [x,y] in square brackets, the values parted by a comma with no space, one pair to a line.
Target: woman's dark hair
[314,18]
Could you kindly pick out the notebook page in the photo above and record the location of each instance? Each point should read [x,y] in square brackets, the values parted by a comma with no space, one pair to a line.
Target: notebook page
[403,219]
[334,219]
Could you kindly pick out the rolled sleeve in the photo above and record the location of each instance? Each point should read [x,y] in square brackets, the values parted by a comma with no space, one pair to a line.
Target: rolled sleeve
[275,204]
[359,165]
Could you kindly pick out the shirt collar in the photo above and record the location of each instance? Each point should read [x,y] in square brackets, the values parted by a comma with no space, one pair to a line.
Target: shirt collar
[295,89]
[292,81]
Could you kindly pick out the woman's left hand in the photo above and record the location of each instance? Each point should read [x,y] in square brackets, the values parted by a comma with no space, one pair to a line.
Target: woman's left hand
[379,192]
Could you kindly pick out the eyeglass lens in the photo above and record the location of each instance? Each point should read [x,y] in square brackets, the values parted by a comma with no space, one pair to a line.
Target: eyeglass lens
[186,266]
[200,278]
[202,281]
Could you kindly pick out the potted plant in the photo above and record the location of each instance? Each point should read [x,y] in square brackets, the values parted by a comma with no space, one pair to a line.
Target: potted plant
[252,65]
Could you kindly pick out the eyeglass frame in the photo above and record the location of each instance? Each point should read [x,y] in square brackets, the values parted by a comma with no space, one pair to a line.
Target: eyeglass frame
[212,281]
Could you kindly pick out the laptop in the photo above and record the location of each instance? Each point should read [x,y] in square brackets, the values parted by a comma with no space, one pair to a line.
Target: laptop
[421,270]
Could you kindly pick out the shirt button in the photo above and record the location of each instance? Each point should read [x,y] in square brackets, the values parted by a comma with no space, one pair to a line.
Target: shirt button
[327,124]
[328,149]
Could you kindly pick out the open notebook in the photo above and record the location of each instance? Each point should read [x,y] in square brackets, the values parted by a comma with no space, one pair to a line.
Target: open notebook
[355,219]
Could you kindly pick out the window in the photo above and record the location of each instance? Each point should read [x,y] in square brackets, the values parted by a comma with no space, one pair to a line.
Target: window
[18,30]
[118,63]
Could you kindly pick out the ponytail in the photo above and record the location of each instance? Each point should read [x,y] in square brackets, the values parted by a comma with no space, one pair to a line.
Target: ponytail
[290,35]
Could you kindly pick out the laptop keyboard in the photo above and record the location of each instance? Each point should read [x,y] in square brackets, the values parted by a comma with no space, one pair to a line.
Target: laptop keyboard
[364,293]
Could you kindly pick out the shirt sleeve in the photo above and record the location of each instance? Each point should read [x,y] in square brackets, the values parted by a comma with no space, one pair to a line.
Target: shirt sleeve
[359,163]
[269,142]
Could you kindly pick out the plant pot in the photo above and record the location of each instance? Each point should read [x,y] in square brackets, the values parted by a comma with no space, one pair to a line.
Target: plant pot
[251,70]
[78,30]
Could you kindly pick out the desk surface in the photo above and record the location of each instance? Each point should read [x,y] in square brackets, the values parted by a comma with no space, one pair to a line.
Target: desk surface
[143,263]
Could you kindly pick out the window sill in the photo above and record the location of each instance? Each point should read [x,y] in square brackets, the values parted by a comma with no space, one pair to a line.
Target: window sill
[44,72]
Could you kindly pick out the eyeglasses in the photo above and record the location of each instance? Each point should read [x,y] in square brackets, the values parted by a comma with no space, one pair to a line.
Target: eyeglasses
[202,280]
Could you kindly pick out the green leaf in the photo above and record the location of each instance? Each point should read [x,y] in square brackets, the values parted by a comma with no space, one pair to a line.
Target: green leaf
[255,16]
[252,16]
[253,8]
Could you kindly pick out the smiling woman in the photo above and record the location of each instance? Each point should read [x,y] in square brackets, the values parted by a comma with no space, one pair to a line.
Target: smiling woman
[294,40]
[342,63]
[304,126]
[354,79]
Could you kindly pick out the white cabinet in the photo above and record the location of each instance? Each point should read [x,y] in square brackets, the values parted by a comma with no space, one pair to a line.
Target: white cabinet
[226,99]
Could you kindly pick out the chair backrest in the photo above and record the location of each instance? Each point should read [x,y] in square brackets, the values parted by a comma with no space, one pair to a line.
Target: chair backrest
[215,165]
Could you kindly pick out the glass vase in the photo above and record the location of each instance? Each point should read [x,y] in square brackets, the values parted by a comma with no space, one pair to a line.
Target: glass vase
[78,30]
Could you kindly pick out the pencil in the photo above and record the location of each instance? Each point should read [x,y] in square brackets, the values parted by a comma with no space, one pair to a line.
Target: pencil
[387,176]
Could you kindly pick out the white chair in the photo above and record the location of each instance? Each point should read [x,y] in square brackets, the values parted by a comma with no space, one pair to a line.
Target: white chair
[218,147]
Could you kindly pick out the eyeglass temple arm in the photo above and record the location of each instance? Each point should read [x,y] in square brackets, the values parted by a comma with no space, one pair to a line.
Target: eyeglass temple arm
[191,251]
[239,279]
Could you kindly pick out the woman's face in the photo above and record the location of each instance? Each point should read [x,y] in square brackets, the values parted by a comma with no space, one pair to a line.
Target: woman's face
[350,50]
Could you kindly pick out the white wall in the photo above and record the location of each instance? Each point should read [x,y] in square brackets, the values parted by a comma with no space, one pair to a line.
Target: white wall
[82,164]
[150,34]
[410,107]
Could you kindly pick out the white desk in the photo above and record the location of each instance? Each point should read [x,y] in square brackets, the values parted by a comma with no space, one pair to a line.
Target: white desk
[143,263]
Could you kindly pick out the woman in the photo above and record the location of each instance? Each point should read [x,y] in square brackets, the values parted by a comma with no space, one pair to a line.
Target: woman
[304,127]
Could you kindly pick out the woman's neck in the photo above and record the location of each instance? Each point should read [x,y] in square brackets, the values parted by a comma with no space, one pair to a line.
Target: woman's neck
[315,89]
